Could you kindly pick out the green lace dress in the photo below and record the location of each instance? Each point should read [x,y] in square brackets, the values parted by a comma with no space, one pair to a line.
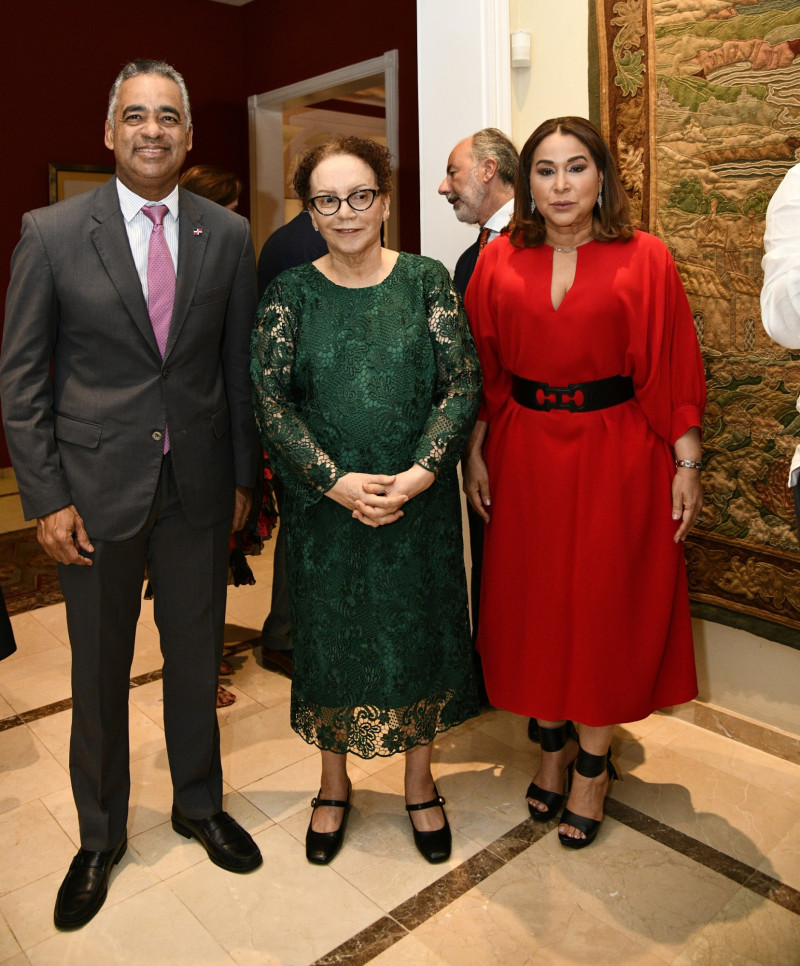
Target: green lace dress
[371,380]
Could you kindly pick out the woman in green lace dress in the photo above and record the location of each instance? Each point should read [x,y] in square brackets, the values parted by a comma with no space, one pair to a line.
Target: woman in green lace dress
[366,387]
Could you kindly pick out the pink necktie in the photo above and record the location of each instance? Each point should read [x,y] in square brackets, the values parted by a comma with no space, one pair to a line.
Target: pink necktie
[160,282]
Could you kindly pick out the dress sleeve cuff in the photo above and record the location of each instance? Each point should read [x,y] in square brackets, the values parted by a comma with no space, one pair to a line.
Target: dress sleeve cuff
[683,419]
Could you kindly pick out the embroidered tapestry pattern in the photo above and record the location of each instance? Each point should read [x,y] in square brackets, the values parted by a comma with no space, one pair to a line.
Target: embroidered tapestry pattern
[700,103]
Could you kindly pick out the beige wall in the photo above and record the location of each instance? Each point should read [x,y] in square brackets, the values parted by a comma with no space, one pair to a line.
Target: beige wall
[557,82]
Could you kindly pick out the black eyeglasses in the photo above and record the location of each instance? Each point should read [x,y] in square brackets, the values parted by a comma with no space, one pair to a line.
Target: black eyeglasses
[358,200]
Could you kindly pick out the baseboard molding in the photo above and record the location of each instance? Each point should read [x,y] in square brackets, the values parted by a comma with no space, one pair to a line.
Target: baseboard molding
[745,730]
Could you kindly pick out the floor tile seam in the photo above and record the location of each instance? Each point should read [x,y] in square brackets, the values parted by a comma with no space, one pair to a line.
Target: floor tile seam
[768,887]
[366,944]
[65,704]
[158,882]
[758,882]
[406,917]
[524,835]
[12,721]
[747,876]
[437,896]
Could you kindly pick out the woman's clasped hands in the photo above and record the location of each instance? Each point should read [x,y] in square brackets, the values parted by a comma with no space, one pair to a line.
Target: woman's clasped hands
[377,499]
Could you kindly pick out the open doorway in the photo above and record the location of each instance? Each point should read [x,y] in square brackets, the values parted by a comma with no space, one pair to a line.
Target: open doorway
[360,99]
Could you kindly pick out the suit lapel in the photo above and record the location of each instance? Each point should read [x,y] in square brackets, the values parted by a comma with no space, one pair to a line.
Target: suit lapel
[192,242]
[110,238]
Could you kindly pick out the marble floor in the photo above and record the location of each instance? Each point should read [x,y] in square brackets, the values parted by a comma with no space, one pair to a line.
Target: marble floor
[698,861]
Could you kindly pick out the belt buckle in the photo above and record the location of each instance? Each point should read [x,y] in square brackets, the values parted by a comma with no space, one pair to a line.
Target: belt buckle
[564,398]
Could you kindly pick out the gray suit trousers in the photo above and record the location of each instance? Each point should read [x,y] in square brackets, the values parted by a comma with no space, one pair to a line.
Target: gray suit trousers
[188,570]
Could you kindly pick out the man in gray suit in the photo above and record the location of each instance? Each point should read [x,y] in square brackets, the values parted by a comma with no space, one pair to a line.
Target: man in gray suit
[141,450]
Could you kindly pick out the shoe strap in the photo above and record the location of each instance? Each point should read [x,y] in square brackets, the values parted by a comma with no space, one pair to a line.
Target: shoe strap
[439,800]
[585,825]
[331,802]
[591,766]
[554,739]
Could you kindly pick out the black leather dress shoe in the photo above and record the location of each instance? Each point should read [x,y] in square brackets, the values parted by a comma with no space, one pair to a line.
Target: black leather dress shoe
[227,843]
[85,886]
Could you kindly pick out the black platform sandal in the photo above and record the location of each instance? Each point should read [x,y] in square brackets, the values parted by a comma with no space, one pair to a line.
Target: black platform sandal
[552,739]
[434,846]
[321,847]
[588,766]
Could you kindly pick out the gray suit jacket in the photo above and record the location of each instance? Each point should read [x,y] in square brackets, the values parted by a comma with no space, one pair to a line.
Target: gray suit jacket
[88,436]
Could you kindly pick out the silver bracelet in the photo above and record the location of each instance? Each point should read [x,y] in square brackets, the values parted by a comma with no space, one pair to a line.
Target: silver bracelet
[689,464]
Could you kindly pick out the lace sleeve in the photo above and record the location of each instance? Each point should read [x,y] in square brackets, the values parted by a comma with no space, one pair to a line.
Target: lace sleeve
[303,465]
[458,377]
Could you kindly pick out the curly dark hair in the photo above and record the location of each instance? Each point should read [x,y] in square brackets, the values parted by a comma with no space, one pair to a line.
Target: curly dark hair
[374,155]
[612,221]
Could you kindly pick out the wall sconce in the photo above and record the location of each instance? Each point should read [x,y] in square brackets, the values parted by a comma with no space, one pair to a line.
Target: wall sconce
[521,48]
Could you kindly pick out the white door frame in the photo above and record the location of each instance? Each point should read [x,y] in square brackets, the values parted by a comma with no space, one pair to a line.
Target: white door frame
[266,134]
[464,80]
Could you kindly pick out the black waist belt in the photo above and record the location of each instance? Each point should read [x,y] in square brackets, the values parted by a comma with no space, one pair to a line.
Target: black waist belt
[579,397]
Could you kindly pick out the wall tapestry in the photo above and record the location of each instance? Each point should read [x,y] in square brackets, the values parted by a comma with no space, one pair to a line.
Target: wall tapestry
[700,103]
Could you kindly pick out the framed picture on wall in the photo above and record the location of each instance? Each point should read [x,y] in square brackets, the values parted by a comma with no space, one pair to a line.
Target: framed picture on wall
[67,180]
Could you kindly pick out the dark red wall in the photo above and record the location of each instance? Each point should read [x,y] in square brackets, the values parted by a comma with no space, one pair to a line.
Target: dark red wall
[60,60]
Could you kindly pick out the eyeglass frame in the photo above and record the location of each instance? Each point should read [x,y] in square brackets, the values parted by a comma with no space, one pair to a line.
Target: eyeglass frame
[330,214]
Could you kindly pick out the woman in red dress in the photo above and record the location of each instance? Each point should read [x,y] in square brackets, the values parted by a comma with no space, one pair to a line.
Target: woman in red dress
[584,464]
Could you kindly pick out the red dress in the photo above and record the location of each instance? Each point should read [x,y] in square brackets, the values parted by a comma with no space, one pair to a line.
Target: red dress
[584,608]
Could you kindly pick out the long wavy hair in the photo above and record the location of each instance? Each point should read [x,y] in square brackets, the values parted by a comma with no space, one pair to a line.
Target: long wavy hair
[612,221]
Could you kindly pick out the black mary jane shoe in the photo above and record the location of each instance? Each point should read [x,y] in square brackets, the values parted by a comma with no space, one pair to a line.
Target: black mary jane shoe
[433,846]
[588,766]
[321,847]
[552,740]
[85,886]
[228,845]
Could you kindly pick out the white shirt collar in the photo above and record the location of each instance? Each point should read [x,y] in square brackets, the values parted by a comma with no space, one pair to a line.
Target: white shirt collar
[131,204]
[501,217]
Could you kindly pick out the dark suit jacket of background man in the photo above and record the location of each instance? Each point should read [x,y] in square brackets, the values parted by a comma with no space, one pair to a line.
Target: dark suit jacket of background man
[294,243]
[465,266]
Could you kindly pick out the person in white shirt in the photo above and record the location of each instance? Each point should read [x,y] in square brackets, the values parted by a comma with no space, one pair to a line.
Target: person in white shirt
[780,294]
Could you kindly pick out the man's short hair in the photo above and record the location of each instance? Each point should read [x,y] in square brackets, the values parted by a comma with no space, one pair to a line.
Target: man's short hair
[491,143]
[137,67]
